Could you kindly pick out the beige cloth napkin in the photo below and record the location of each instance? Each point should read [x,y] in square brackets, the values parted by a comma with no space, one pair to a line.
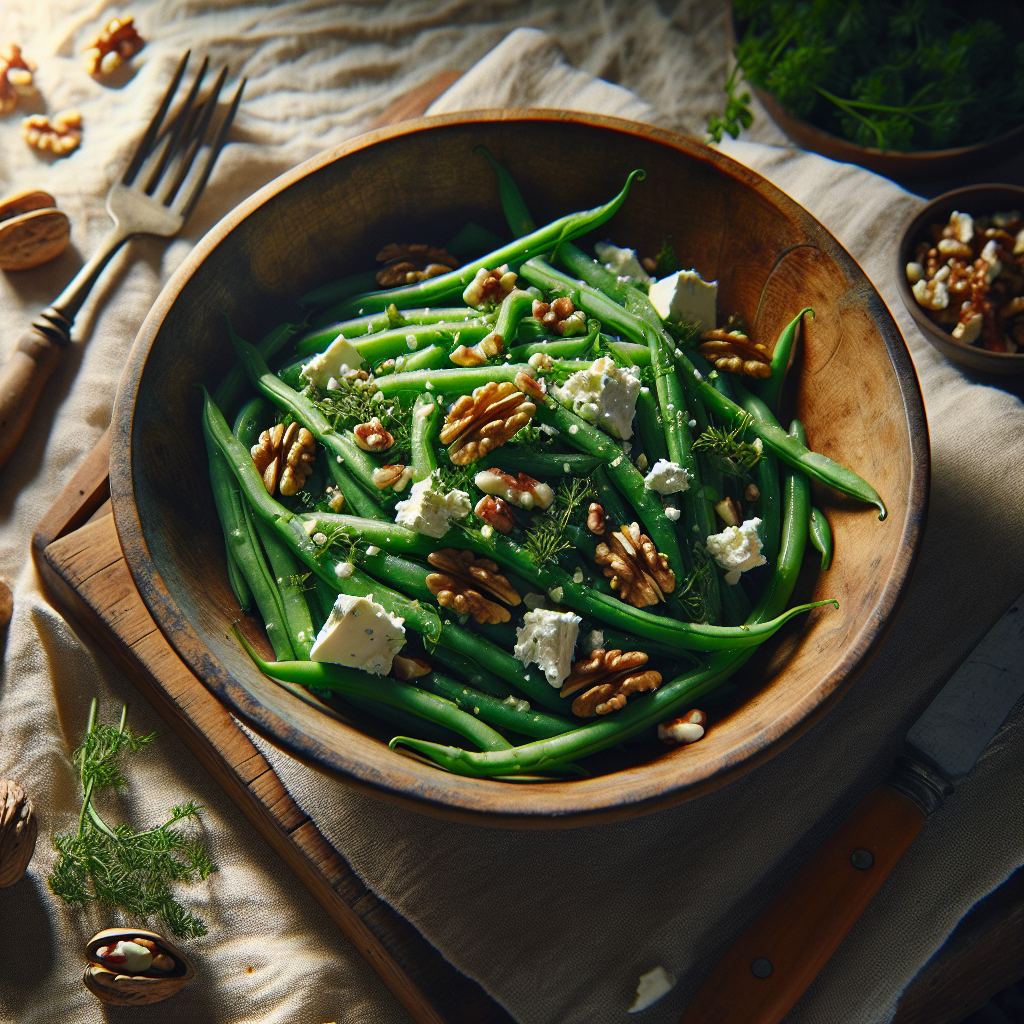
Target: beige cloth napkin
[557,926]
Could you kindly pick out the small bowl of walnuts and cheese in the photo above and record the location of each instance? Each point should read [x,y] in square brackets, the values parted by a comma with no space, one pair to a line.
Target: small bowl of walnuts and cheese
[960,272]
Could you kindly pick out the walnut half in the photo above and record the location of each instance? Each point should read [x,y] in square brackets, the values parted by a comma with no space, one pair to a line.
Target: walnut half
[734,352]
[284,456]
[637,571]
[609,678]
[463,575]
[485,420]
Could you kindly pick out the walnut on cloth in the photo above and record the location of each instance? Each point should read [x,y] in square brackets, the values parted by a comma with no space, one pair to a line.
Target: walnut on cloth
[59,136]
[477,424]
[463,575]
[15,78]
[734,352]
[118,42]
[638,573]
[409,263]
[284,456]
[607,679]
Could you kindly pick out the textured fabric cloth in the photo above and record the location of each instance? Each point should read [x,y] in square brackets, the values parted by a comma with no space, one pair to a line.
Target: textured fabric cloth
[556,925]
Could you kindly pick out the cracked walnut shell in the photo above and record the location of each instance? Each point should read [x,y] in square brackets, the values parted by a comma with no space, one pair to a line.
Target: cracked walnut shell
[284,456]
[118,42]
[608,677]
[169,972]
[463,575]
[477,424]
[15,78]
[734,352]
[59,136]
[32,230]
[638,573]
[18,827]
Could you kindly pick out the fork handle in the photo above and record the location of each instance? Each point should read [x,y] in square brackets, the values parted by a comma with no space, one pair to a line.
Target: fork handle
[24,375]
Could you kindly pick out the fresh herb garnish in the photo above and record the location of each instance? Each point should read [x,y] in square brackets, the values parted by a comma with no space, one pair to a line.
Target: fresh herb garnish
[667,260]
[119,867]
[727,451]
[695,593]
[355,401]
[546,536]
[737,116]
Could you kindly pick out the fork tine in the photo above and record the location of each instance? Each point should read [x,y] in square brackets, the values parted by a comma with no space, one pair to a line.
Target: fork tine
[174,130]
[215,148]
[192,144]
[146,142]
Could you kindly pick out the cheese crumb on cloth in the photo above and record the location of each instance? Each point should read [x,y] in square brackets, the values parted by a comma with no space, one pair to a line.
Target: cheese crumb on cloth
[495,903]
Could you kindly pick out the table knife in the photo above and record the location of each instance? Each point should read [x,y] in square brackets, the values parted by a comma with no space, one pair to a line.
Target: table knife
[780,953]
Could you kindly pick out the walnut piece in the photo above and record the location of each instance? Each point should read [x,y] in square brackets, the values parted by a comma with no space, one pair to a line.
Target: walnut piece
[15,78]
[595,518]
[409,668]
[59,136]
[118,42]
[478,354]
[734,352]
[609,678]
[393,475]
[372,437]
[495,513]
[521,490]
[284,457]
[638,573]
[485,420]
[463,575]
[410,263]
[685,729]
[489,287]
[560,316]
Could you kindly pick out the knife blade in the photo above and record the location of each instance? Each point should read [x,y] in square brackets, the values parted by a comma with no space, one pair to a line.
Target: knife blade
[783,949]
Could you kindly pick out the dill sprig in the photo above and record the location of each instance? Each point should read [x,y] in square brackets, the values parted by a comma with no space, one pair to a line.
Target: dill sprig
[118,867]
[455,478]
[727,451]
[695,593]
[355,401]
[546,536]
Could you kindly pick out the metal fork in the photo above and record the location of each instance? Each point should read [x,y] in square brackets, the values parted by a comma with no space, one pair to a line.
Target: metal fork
[155,196]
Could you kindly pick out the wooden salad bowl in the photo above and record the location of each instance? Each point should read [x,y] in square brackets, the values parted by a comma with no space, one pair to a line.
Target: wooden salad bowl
[420,181]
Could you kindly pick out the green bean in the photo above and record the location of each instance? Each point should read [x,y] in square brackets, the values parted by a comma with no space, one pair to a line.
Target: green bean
[427,420]
[513,459]
[239,587]
[821,537]
[326,594]
[785,446]
[230,389]
[514,307]
[648,426]
[261,581]
[358,330]
[288,580]
[421,617]
[431,358]
[409,577]
[335,291]
[325,675]
[449,382]
[540,241]
[558,349]
[630,352]
[771,388]
[767,475]
[485,682]
[512,714]
[472,240]
[519,220]
[229,509]
[394,717]
[248,422]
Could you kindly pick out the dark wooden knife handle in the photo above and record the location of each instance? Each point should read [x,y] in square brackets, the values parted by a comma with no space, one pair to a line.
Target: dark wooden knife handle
[781,952]
[24,375]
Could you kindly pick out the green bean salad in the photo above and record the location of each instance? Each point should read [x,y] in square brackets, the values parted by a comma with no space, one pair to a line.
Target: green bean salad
[519,501]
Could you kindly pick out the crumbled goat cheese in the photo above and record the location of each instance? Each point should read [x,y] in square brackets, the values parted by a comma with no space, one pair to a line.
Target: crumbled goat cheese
[335,361]
[737,549]
[672,513]
[373,550]
[427,510]
[651,987]
[605,395]
[547,639]
[360,634]
[685,297]
[621,262]
[667,477]
[343,569]
[534,601]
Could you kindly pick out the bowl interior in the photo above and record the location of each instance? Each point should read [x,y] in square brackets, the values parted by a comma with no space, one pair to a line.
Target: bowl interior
[976,200]
[858,397]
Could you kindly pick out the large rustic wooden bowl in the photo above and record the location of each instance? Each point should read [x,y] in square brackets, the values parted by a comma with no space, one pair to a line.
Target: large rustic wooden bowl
[858,397]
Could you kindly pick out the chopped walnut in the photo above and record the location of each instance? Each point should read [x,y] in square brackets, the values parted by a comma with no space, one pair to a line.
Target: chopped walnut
[541,361]
[485,420]
[735,352]
[335,499]
[15,78]
[60,136]
[409,668]
[560,316]
[536,389]
[284,457]
[463,575]
[393,475]
[637,571]
[729,512]
[496,513]
[685,729]
[372,437]
[479,353]
[595,519]
[489,287]
[521,490]
[118,42]
[410,263]
[608,677]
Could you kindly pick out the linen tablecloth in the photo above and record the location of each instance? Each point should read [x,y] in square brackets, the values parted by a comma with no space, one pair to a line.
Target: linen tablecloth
[559,925]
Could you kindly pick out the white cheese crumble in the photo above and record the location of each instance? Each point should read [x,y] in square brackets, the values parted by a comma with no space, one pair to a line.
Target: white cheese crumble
[685,297]
[373,550]
[672,513]
[343,569]
[359,634]
[737,549]
[621,262]
[651,987]
[547,639]
[427,510]
[335,361]
[667,477]
[604,394]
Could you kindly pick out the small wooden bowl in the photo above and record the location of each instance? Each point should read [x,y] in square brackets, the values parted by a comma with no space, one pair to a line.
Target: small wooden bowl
[859,399]
[975,200]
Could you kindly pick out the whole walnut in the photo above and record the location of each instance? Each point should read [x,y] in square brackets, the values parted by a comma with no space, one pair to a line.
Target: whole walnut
[18,827]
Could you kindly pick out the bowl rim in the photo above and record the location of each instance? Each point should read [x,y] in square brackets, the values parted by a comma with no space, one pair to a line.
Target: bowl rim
[482,801]
[914,226]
